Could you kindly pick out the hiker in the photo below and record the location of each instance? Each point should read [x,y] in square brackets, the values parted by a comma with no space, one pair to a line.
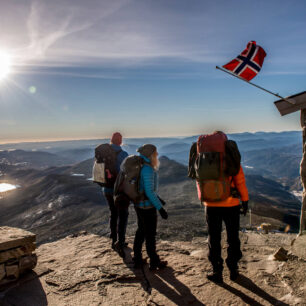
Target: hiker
[146,209]
[215,163]
[111,156]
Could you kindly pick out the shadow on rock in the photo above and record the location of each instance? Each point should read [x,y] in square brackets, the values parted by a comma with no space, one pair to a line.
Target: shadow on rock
[180,294]
[245,282]
[162,281]
[140,275]
[27,291]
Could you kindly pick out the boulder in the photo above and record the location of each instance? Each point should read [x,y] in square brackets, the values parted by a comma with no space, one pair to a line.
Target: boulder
[281,255]
[298,247]
[11,237]
[16,253]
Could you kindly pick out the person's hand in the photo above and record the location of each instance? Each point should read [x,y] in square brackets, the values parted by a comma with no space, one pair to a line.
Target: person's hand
[163,214]
[244,207]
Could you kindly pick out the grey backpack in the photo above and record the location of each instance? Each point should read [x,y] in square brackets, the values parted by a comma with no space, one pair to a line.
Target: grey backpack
[128,179]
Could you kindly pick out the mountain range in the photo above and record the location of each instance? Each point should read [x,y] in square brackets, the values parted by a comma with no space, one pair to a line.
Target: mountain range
[57,197]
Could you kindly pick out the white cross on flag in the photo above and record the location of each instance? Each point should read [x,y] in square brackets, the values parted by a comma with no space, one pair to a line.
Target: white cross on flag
[248,63]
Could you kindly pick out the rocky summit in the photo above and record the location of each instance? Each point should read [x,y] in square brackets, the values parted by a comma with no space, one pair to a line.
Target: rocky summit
[84,270]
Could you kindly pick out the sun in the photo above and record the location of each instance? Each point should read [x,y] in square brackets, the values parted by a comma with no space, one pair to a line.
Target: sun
[5,64]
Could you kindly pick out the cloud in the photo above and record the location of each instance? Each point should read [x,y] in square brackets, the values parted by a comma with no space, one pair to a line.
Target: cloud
[53,30]
[46,27]
[122,33]
[40,40]
[283,72]
[52,71]
[131,34]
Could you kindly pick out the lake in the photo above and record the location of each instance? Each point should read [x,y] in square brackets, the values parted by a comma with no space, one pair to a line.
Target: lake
[7,187]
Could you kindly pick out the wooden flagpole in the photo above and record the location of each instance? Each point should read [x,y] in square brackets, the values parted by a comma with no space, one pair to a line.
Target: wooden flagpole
[303,175]
[266,90]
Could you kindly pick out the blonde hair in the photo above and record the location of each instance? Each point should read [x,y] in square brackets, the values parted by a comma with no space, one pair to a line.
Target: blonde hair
[155,161]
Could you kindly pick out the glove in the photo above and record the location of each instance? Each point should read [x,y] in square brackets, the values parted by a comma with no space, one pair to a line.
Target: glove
[244,207]
[163,214]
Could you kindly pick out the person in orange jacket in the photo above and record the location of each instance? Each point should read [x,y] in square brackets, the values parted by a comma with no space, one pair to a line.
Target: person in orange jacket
[224,203]
[228,211]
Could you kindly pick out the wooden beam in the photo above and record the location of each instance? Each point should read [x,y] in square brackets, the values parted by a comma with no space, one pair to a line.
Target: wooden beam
[286,108]
[303,174]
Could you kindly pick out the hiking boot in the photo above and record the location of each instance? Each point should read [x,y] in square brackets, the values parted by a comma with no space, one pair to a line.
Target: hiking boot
[234,274]
[138,262]
[114,245]
[119,249]
[113,236]
[215,277]
[158,265]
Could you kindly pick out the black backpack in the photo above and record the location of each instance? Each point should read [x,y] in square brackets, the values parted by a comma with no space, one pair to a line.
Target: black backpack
[192,159]
[128,179]
[104,153]
[232,158]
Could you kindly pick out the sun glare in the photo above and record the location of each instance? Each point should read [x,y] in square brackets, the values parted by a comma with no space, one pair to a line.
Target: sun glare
[5,64]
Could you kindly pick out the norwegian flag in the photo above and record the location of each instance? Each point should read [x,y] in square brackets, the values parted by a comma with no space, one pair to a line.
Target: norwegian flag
[248,63]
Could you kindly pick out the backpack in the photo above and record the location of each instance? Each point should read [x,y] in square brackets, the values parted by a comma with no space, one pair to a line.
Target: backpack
[232,158]
[128,179]
[209,168]
[192,158]
[104,170]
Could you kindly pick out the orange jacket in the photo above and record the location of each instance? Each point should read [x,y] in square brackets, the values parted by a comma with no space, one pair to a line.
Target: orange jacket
[238,181]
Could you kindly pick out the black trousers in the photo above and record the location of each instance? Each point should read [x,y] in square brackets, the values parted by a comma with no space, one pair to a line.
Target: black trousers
[146,231]
[231,218]
[119,212]
[122,204]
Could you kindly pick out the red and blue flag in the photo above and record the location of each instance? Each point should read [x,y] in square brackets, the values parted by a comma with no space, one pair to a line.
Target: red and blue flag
[248,63]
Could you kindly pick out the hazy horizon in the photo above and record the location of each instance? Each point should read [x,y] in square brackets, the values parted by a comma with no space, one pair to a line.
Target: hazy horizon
[136,137]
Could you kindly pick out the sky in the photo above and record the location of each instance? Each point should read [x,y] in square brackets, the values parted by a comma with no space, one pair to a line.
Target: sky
[84,69]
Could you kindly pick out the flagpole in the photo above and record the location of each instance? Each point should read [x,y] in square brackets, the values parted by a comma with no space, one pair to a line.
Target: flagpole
[266,90]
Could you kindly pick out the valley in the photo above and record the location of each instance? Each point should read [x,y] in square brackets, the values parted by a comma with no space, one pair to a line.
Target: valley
[57,198]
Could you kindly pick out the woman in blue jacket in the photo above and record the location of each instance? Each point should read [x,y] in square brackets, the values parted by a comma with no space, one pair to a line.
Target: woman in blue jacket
[146,210]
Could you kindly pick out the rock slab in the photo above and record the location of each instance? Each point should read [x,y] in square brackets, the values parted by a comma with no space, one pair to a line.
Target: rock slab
[11,237]
[16,254]
[299,247]
[85,270]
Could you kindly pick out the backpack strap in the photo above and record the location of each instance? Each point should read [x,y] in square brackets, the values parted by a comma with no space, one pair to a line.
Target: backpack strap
[143,196]
[117,152]
[192,158]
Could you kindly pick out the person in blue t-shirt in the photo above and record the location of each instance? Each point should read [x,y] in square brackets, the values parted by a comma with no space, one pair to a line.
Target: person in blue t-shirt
[119,211]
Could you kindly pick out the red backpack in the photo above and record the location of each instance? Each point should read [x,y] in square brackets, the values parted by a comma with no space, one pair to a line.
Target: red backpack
[210,169]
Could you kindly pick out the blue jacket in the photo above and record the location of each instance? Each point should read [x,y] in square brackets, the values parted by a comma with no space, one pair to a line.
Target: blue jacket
[120,157]
[148,184]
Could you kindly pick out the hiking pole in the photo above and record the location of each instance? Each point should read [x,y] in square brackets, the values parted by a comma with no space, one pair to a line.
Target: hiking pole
[266,90]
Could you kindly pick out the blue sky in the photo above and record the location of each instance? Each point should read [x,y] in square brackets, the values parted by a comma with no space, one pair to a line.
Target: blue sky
[83,69]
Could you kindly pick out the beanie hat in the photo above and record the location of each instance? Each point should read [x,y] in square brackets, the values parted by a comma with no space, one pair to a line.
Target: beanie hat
[116,139]
[147,150]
